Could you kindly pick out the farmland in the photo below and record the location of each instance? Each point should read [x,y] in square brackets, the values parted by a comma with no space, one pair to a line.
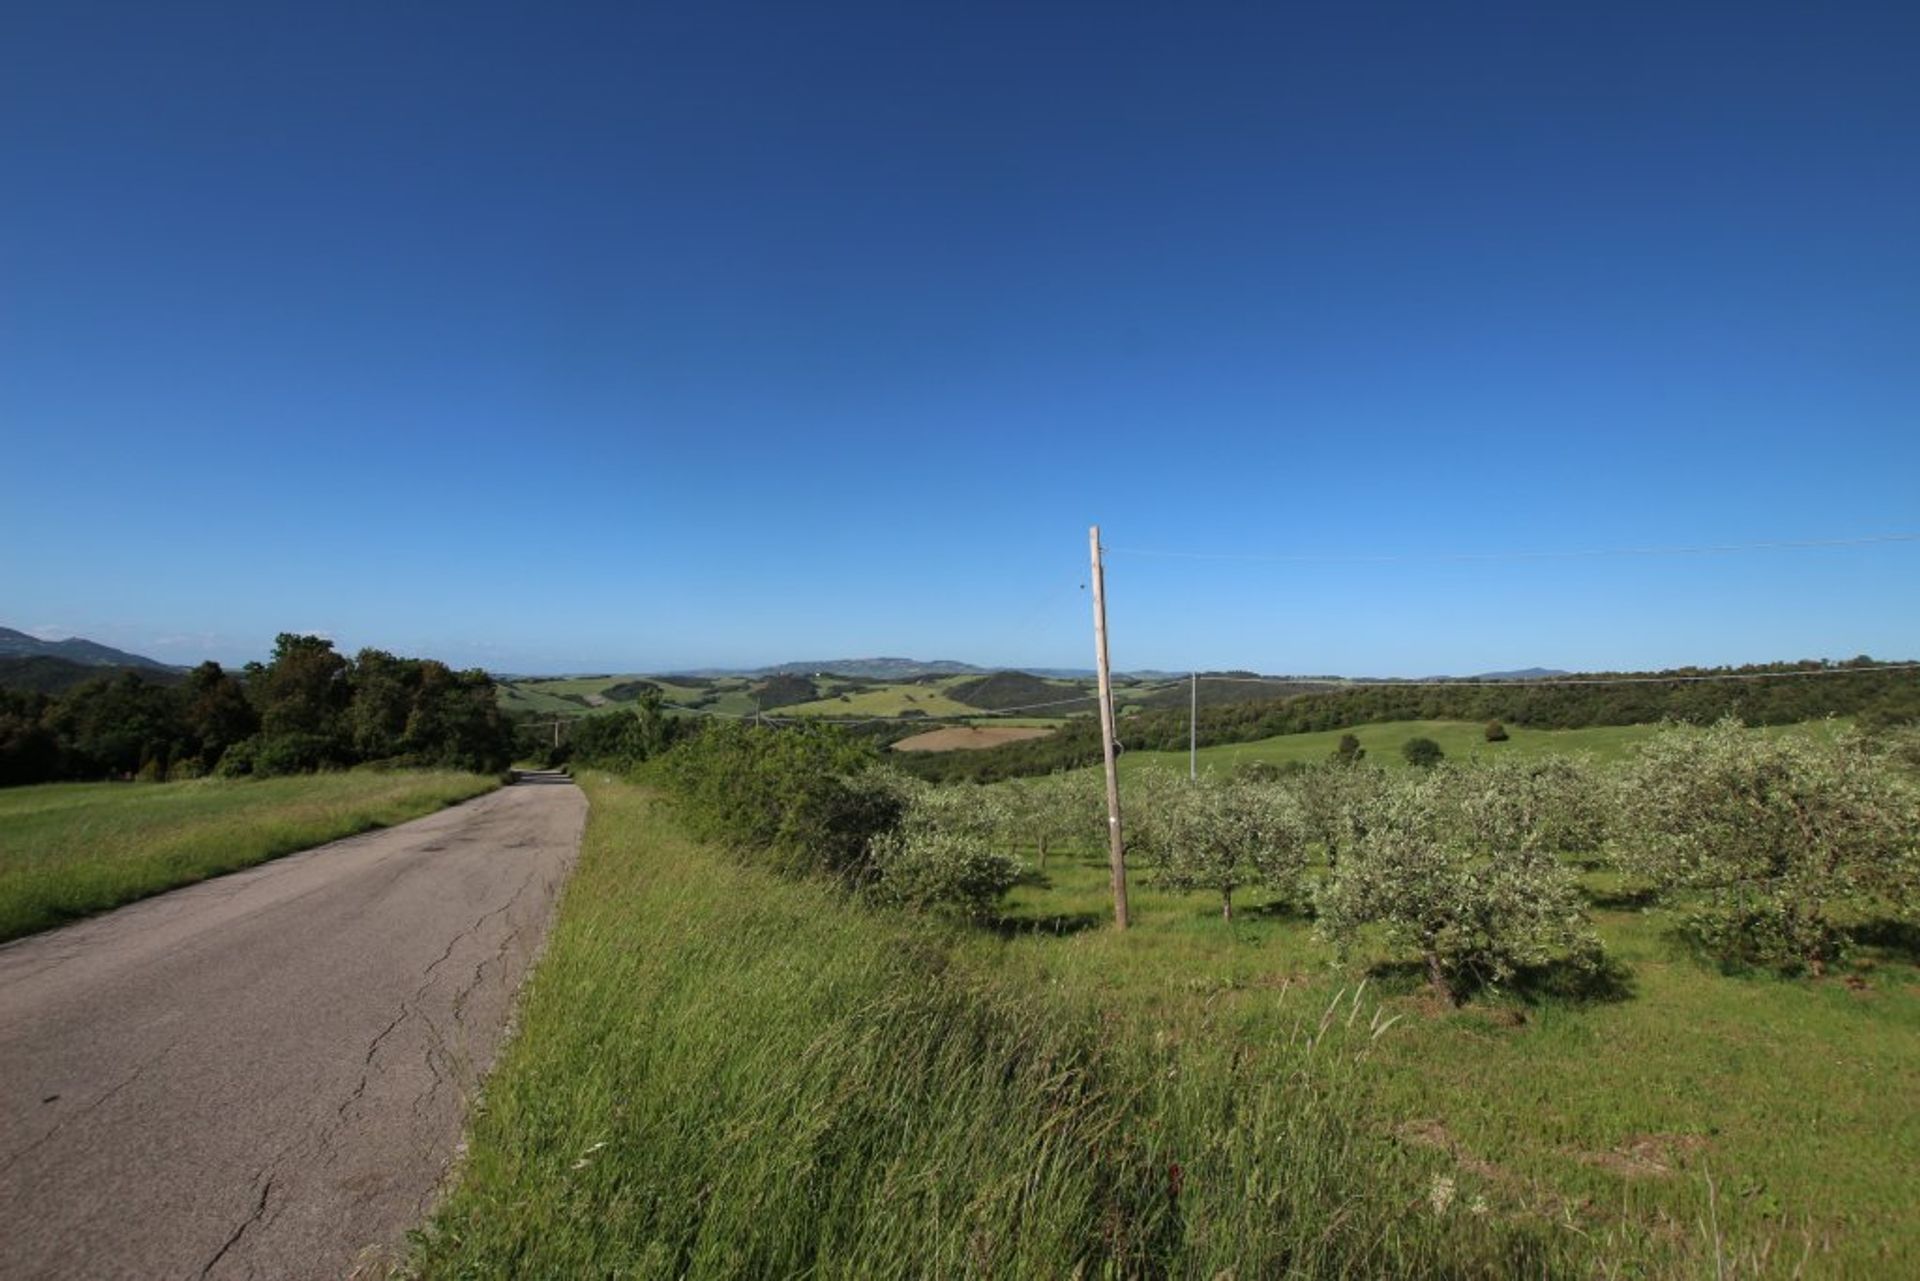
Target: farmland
[968,738]
[1273,1102]
[71,849]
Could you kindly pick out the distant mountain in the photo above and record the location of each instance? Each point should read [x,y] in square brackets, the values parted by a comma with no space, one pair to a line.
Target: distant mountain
[1524,674]
[884,669]
[74,650]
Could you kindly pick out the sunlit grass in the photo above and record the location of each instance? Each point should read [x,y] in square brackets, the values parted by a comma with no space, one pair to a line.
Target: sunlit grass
[1794,1097]
[722,1073]
[71,849]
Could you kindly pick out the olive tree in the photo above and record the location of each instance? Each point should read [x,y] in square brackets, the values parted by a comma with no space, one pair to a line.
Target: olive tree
[1334,801]
[1772,833]
[1222,835]
[947,850]
[1459,871]
[1057,810]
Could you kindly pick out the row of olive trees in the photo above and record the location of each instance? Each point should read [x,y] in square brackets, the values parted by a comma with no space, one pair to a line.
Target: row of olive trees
[1764,844]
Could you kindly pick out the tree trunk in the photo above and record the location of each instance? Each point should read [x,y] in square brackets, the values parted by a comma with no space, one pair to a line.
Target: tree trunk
[1226,905]
[1438,977]
[1043,853]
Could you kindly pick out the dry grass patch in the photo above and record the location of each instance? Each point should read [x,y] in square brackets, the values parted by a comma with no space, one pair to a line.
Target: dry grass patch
[962,738]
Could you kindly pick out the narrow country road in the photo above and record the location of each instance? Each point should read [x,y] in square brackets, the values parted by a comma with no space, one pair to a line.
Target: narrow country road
[265,1075]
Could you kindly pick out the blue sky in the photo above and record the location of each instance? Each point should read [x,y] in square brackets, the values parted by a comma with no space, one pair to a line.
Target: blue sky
[643,336]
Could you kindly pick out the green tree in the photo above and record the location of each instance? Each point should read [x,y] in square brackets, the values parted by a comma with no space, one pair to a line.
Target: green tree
[1496,732]
[304,690]
[216,714]
[1772,833]
[1222,836]
[1463,875]
[1348,750]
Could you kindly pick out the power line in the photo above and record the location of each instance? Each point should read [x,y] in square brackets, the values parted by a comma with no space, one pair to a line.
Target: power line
[1360,558]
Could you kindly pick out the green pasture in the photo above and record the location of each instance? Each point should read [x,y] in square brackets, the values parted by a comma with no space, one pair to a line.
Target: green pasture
[71,849]
[885,700]
[1677,1114]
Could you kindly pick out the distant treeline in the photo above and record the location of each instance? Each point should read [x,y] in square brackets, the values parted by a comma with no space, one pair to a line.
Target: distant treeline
[309,708]
[1773,697]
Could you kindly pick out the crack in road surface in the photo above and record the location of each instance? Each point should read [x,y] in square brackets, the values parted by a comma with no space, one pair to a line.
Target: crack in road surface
[274,1072]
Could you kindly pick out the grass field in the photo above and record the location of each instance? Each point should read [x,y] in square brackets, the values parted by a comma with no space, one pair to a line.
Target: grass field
[885,700]
[1458,739]
[71,849]
[722,1073]
[1781,1110]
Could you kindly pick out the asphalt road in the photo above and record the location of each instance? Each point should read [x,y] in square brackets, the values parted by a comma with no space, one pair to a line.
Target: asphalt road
[265,1075]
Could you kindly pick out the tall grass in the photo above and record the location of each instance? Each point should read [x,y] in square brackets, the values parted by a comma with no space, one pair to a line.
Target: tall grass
[721,1072]
[71,849]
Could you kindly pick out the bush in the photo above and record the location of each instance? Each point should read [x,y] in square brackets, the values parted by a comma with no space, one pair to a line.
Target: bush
[1422,753]
[926,866]
[1772,833]
[1496,732]
[1460,871]
[1348,750]
[791,793]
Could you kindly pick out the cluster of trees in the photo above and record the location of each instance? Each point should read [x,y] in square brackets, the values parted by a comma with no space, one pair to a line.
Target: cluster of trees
[1769,846]
[617,740]
[307,708]
[817,801]
[1771,694]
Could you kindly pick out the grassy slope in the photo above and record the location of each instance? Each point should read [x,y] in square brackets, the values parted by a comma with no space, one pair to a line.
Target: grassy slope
[1795,1097]
[70,849]
[887,700]
[720,1073]
[1382,741]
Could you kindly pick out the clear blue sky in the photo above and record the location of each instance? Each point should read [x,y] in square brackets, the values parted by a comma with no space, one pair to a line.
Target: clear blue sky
[641,336]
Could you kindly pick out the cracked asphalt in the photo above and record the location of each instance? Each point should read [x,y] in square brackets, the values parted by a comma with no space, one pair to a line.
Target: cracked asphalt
[266,1074]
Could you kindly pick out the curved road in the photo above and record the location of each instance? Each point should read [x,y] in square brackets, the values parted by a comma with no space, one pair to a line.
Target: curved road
[265,1075]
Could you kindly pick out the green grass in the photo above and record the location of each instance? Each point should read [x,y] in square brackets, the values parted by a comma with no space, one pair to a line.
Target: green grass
[1458,739]
[1794,1098]
[886,700]
[71,849]
[721,1073]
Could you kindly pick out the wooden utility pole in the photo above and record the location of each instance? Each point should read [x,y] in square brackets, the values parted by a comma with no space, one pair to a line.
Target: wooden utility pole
[1116,849]
[1193,733]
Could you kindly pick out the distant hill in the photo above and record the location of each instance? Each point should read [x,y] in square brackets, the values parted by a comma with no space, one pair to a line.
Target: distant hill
[1004,691]
[884,669]
[45,674]
[86,653]
[1524,674]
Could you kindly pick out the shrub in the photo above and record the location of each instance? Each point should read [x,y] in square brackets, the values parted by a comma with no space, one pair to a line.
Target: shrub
[1461,873]
[1422,753]
[926,866]
[1772,833]
[1348,750]
[1496,732]
[793,794]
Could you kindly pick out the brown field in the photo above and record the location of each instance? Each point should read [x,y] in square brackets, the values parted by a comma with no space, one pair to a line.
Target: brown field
[967,737]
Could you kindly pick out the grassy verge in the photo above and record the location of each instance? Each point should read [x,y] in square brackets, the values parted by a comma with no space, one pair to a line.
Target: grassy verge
[720,1072]
[72,849]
